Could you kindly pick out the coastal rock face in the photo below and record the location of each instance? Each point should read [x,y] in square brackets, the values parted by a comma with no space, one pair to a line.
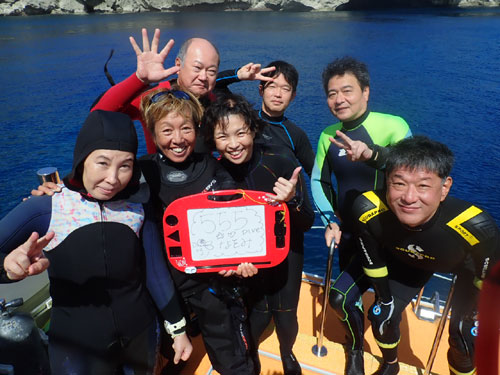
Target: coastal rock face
[37,7]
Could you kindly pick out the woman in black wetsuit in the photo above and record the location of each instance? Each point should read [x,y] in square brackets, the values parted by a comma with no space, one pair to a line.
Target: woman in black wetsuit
[175,171]
[230,125]
[105,259]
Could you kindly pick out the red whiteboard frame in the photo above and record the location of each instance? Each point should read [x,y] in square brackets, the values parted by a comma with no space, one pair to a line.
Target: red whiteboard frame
[177,236]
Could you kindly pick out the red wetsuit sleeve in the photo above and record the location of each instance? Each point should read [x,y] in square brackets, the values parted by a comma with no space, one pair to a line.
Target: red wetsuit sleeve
[126,97]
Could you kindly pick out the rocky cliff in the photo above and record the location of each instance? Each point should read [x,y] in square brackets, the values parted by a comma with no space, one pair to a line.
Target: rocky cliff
[35,7]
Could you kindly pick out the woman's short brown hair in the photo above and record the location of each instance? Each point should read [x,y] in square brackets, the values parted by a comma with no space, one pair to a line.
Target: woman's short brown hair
[159,103]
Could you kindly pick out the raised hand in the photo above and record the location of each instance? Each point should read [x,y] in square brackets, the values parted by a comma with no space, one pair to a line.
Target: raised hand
[28,259]
[150,66]
[252,72]
[355,150]
[285,189]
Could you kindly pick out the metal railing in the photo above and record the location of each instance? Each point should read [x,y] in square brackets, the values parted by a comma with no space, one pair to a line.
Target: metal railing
[318,349]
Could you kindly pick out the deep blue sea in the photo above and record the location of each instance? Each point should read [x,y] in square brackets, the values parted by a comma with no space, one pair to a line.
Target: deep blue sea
[439,69]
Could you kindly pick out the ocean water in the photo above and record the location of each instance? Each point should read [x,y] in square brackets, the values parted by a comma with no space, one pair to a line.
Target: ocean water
[439,69]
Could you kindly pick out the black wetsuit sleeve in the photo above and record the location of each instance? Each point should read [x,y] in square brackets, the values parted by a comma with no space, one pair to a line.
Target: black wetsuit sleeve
[224,79]
[32,215]
[370,248]
[379,156]
[301,211]
[304,152]
[487,252]
[158,279]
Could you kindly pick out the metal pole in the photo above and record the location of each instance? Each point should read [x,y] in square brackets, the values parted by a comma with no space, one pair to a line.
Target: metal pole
[318,349]
[417,302]
[440,329]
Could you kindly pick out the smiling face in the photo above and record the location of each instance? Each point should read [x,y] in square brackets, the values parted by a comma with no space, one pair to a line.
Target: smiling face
[276,96]
[234,141]
[175,136]
[198,71]
[345,98]
[107,172]
[415,195]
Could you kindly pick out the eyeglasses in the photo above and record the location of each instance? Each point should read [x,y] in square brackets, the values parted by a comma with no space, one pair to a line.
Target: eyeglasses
[176,93]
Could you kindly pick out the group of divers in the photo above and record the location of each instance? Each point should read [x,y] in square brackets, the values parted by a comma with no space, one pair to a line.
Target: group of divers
[114,295]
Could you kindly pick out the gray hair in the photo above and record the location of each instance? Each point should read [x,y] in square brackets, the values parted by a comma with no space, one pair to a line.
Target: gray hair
[420,152]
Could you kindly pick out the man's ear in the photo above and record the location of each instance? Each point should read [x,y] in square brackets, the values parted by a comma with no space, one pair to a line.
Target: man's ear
[178,62]
[445,189]
[366,92]
[261,90]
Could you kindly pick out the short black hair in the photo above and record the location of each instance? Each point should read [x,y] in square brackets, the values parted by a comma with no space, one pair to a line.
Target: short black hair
[420,152]
[343,65]
[288,70]
[228,104]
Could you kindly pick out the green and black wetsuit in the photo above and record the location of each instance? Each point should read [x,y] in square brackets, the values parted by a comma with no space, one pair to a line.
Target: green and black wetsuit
[377,130]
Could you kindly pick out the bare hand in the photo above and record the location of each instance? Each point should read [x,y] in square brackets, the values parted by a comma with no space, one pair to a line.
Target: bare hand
[28,259]
[48,188]
[356,150]
[182,348]
[252,72]
[247,270]
[332,232]
[149,62]
[244,270]
[285,189]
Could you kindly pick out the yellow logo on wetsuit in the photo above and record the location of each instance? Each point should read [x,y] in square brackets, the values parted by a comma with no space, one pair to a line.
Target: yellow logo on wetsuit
[456,224]
[379,207]
[415,252]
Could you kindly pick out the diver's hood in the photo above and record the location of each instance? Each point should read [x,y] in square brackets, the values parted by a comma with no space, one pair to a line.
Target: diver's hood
[109,131]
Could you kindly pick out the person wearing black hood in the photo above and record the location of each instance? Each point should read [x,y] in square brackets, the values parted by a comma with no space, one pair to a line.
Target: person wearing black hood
[103,255]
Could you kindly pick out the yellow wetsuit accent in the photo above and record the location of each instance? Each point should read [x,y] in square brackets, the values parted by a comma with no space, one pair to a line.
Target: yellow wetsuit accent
[379,207]
[478,283]
[388,346]
[456,224]
[461,373]
[376,272]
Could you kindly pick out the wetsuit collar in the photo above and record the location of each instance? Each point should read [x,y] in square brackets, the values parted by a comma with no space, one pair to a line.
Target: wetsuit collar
[349,125]
[185,165]
[426,225]
[273,120]
[239,171]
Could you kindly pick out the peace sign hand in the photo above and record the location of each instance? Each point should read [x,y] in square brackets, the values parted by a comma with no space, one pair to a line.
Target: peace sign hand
[28,259]
[355,150]
[149,62]
[253,72]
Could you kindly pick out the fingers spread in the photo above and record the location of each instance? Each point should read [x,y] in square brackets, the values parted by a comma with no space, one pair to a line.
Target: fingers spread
[135,46]
[156,41]
[145,40]
[166,50]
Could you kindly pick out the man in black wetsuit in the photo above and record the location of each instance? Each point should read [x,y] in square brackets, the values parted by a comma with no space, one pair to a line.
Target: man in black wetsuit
[412,229]
[277,94]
